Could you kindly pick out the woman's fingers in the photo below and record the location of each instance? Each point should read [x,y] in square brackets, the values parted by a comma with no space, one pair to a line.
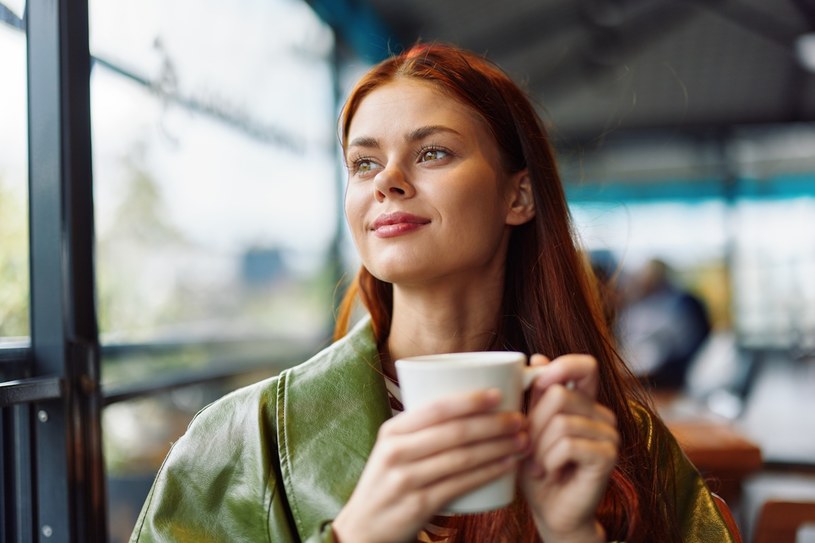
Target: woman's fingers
[433,454]
[579,369]
[453,407]
[572,434]
[455,463]
[573,426]
[434,498]
[597,456]
[454,487]
[461,432]
[567,425]
[558,399]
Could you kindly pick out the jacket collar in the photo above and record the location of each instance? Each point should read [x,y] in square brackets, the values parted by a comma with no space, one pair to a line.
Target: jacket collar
[329,411]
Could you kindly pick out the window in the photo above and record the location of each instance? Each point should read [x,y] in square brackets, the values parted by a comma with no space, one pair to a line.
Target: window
[215,178]
[14,291]
[201,154]
[734,218]
[216,197]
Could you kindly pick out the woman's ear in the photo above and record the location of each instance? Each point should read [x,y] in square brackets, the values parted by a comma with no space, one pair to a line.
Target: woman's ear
[521,201]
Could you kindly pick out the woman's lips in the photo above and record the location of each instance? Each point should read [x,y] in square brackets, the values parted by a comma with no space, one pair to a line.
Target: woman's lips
[389,225]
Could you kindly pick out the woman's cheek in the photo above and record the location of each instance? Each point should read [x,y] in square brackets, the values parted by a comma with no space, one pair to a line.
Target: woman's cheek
[353,211]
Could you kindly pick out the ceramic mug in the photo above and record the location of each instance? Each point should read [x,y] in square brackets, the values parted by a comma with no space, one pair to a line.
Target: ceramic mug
[425,379]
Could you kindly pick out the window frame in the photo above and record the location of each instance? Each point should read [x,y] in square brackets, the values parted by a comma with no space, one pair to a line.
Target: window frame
[54,481]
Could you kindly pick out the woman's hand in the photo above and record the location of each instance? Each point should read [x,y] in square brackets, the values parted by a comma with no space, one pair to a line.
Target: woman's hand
[574,444]
[425,458]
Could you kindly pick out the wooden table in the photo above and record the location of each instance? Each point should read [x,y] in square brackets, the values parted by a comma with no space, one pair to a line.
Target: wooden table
[722,454]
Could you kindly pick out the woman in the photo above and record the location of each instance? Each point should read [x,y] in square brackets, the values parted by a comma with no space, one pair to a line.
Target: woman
[456,208]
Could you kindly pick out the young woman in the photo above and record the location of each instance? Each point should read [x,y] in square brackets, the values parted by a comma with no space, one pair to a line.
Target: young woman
[459,216]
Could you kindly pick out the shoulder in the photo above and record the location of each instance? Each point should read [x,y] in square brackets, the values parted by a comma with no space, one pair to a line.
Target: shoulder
[658,439]
[216,480]
[650,424]
[358,344]
[222,478]
[256,404]
[236,409]
[238,427]
[253,408]
[698,515]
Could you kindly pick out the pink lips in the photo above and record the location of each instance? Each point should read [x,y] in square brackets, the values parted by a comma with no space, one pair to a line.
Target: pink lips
[389,225]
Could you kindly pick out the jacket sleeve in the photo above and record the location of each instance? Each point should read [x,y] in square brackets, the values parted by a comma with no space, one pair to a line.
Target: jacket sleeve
[221,480]
[697,513]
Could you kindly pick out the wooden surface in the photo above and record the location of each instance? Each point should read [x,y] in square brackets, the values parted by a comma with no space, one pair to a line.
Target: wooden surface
[716,447]
[722,454]
[778,521]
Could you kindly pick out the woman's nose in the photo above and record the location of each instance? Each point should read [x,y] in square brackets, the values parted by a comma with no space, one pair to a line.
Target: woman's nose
[391,182]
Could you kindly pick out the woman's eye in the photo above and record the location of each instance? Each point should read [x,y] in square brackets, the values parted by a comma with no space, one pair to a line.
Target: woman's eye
[432,154]
[362,166]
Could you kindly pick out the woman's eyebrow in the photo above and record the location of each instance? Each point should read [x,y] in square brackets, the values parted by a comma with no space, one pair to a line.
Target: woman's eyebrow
[412,136]
[417,134]
[364,141]
[425,131]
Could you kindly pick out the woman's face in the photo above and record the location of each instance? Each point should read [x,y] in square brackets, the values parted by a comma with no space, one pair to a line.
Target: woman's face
[427,198]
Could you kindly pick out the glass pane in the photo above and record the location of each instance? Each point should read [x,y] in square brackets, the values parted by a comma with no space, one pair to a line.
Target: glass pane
[216,197]
[214,168]
[774,238]
[773,269]
[14,281]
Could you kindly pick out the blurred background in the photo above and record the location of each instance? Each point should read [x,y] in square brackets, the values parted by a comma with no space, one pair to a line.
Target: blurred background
[685,132]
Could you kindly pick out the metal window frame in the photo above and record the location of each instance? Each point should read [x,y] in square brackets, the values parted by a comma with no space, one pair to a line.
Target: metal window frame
[67,497]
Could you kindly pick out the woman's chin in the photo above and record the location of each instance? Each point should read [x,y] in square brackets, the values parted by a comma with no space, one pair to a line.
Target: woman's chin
[401,274]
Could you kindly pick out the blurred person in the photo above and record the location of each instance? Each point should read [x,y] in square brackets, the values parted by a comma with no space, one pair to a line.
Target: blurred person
[458,213]
[661,327]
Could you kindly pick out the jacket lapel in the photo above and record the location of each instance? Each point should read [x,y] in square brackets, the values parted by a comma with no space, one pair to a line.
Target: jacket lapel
[329,410]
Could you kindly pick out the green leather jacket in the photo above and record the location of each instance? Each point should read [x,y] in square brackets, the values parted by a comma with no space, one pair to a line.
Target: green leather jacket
[277,460]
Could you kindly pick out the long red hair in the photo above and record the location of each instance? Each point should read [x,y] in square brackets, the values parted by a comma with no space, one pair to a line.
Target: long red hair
[550,304]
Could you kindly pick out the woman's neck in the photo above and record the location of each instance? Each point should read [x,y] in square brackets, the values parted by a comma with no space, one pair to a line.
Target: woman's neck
[441,321]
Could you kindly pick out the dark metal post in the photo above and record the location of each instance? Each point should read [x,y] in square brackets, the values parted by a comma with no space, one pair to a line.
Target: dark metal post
[69,490]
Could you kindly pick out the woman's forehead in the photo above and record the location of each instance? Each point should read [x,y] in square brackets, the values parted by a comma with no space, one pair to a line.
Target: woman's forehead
[406,103]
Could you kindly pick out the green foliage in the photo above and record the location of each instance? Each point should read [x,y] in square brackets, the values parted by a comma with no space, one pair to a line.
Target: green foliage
[14,281]
[130,249]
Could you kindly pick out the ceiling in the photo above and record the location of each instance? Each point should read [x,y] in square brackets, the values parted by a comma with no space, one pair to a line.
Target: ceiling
[616,66]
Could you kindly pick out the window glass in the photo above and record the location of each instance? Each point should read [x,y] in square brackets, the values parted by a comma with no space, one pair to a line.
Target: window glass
[746,245]
[774,237]
[214,168]
[14,280]
[773,269]
[216,193]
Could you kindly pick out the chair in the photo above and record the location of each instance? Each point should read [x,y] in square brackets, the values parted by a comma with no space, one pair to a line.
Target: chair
[778,521]
[724,509]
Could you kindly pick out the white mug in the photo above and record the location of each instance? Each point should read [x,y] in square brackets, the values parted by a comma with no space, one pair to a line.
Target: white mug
[425,379]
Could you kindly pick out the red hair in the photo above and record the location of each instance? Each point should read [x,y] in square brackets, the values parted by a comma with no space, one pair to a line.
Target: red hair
[550,303]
